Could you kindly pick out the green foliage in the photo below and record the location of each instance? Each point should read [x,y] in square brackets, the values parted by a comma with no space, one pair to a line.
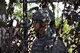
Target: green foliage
[70,50]
[18,10]
[18,13]
[66,30]
[19,5]
[66,27]
[29,15]
[57,21]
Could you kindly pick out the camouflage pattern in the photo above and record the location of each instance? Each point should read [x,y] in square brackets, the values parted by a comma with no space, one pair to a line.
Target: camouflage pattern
[47,44]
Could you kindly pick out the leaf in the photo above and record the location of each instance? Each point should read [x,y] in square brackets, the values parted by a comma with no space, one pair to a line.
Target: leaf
[70,50]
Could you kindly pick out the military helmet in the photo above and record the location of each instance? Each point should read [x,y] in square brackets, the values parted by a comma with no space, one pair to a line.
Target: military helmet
[41,15]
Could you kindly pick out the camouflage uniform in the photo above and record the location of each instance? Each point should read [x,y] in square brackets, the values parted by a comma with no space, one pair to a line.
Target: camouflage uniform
[46,43]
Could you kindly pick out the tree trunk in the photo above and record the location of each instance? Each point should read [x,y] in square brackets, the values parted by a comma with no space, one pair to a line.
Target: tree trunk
[2,14]
[2,7]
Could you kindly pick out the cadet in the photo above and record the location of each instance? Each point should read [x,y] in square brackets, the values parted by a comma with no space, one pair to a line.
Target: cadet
[44,43]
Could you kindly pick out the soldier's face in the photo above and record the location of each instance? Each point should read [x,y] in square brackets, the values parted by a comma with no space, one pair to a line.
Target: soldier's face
[36,25]
[39,27]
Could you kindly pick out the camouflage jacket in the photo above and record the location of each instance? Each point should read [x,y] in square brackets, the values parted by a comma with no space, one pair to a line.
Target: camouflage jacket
[47,44]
